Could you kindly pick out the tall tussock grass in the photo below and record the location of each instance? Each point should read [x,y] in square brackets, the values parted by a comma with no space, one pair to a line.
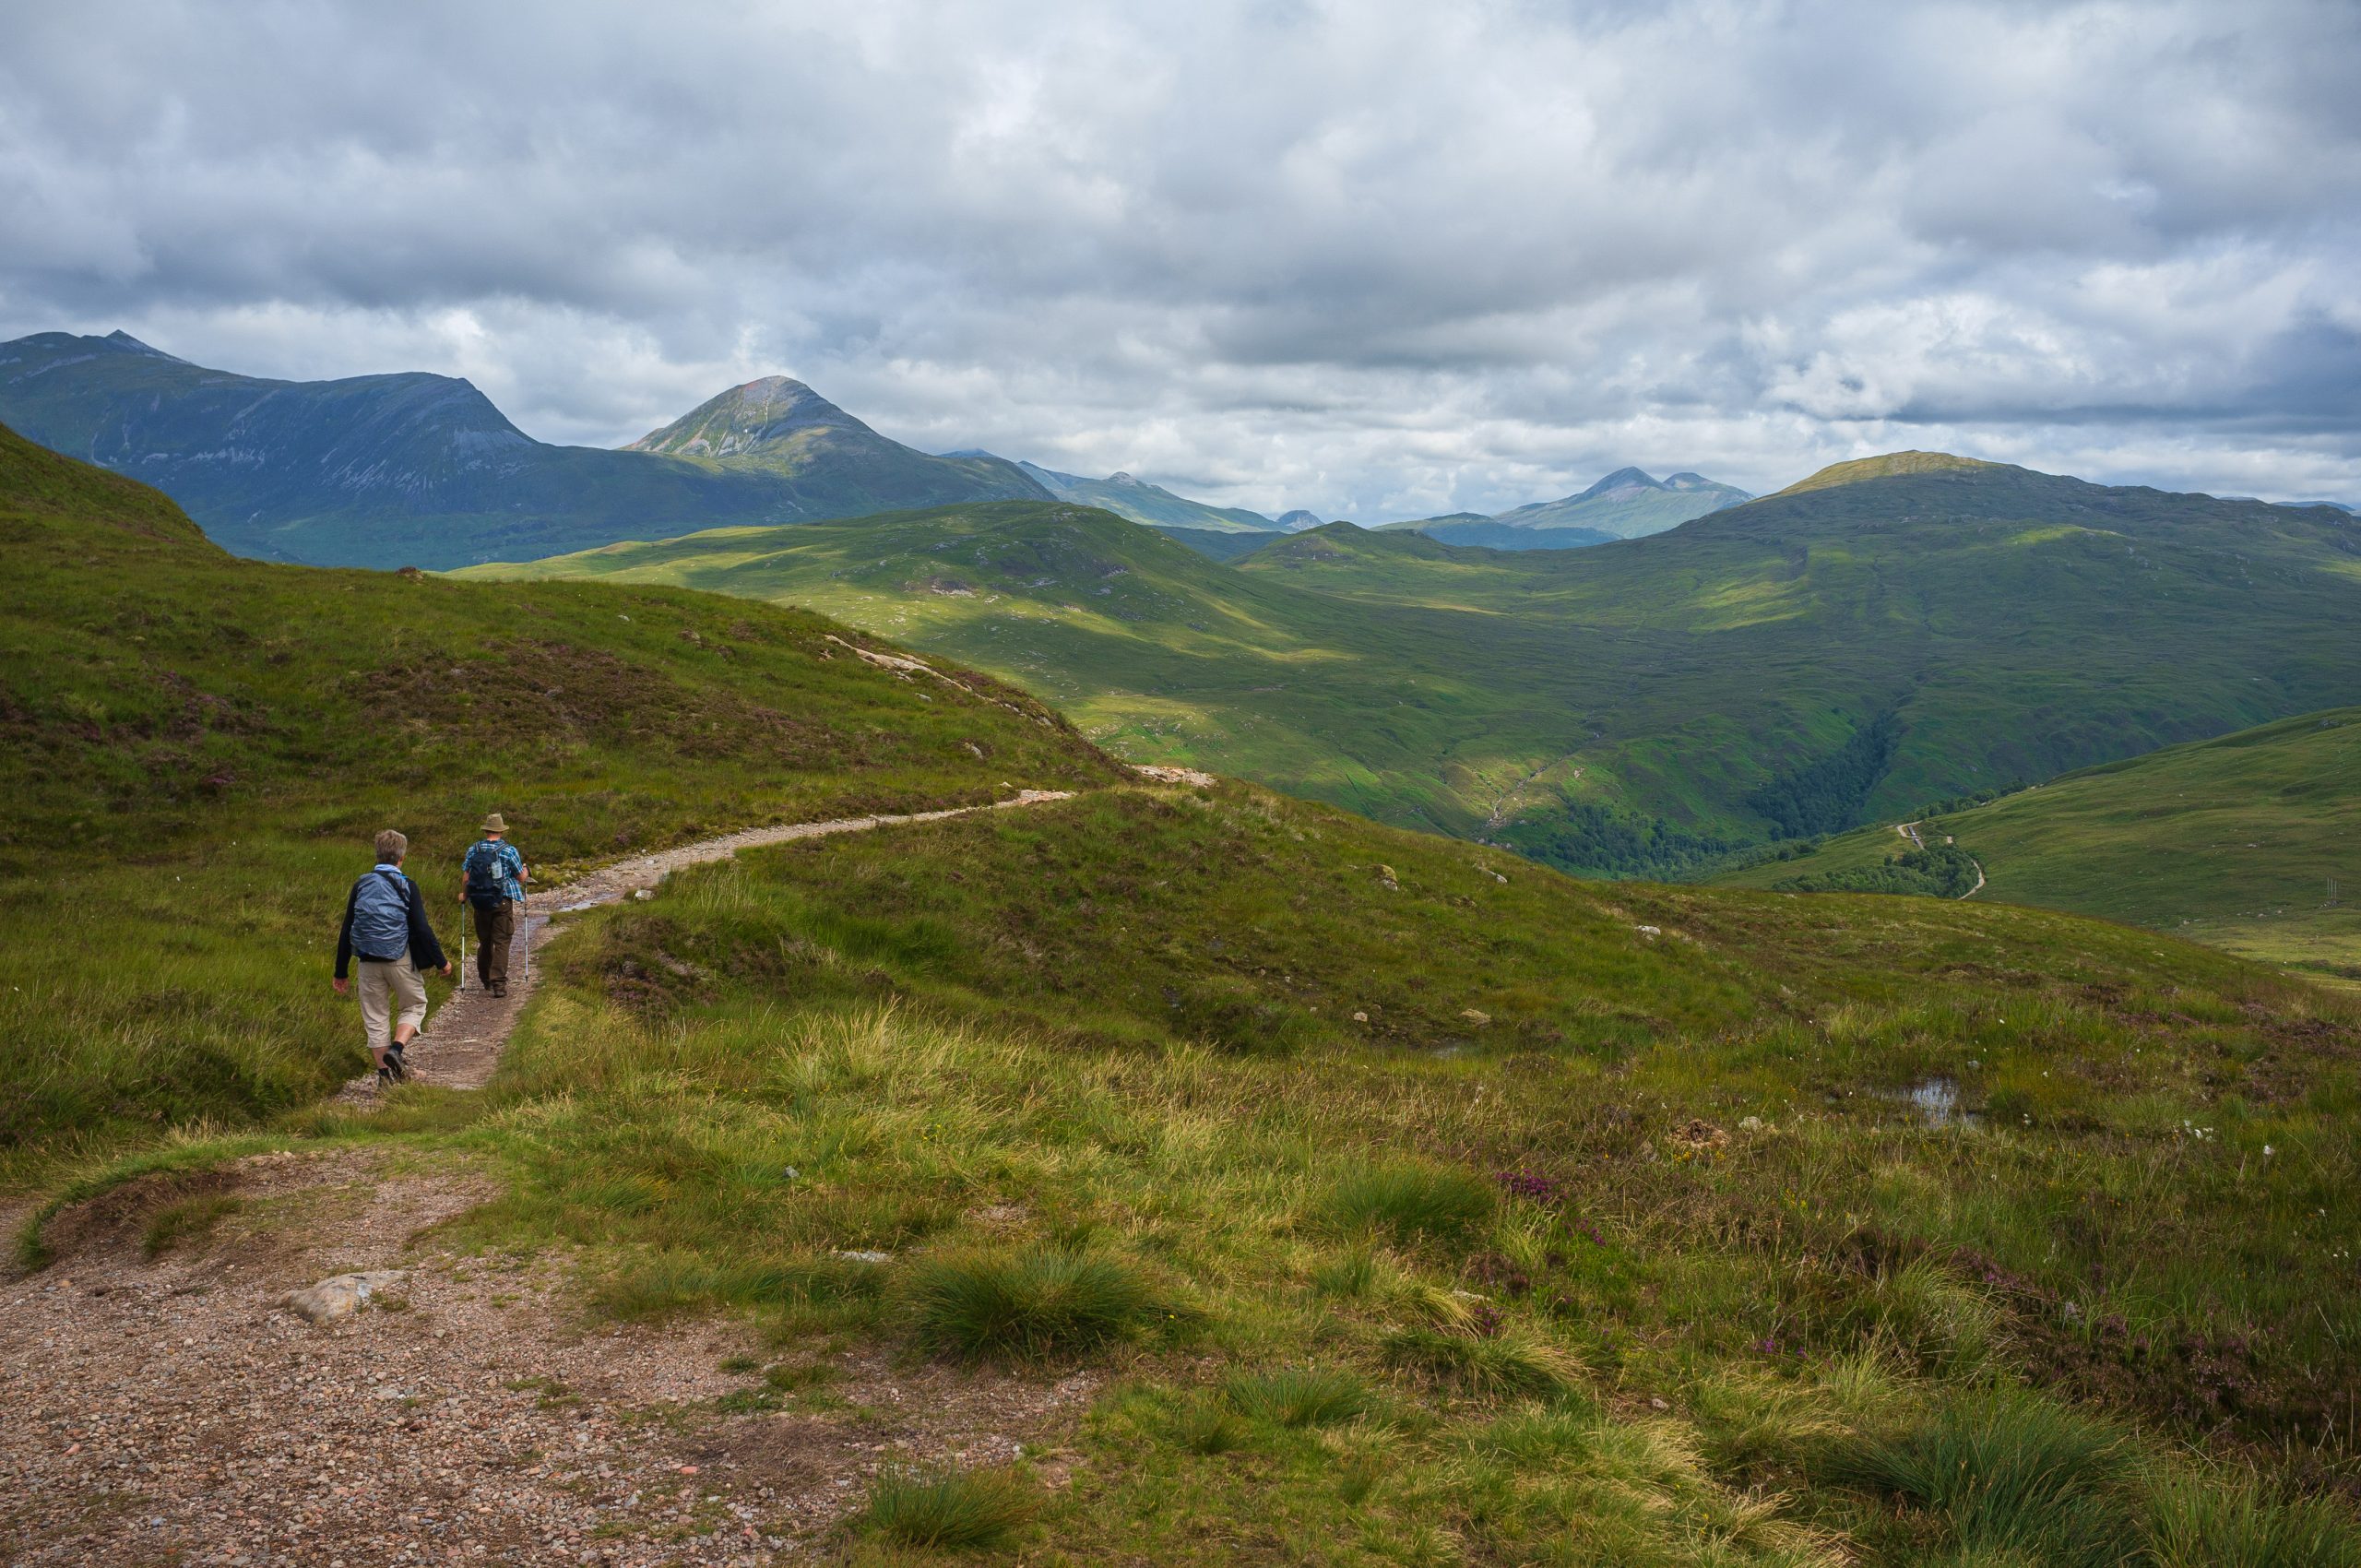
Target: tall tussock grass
[957,1509]
[1028,1304]
[1413,1202]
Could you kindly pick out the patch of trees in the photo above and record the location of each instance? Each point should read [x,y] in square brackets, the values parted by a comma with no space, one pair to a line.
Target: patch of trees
[1826,795]
[1584,836]
[1939,870]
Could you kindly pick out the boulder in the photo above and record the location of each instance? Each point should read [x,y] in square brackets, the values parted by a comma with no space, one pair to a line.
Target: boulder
[344,1294]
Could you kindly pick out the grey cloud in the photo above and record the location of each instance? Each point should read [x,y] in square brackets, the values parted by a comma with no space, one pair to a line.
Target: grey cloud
[1363,257]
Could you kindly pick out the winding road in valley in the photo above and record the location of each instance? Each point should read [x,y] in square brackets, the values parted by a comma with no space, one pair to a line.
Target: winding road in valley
[1909,830]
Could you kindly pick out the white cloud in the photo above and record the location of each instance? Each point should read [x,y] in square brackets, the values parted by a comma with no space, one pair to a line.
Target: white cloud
[1373,258]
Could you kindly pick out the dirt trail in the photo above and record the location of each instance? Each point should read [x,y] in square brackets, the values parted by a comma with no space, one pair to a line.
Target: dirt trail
[167,1407]
[461,1043]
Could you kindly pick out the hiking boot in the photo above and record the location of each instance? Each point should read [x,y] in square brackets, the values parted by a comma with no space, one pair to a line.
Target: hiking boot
[499,988]
[395,1066]
[385,1076]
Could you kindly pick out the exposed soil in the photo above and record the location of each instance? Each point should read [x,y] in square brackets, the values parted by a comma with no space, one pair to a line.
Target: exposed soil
[174,1411]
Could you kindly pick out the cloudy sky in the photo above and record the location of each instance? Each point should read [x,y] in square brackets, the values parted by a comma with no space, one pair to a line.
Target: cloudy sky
[1376,259]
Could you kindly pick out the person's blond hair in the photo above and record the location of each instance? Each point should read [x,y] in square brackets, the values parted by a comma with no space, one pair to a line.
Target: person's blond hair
[392,847]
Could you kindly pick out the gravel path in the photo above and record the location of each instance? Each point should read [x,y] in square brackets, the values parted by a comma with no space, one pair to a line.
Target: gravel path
[462,1041]
[172,1409]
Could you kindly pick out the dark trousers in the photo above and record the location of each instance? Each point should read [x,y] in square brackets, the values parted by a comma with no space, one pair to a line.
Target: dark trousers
[493,927]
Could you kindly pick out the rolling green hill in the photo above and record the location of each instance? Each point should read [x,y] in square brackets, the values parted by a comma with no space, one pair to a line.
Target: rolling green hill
[393,470]
[2251,842]
[1890,633]
[195,751]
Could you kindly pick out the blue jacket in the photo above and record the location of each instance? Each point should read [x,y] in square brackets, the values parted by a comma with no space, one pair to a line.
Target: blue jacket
[385,916]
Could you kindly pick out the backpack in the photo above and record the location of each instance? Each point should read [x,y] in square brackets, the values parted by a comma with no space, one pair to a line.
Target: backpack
[484,870]
[380,914]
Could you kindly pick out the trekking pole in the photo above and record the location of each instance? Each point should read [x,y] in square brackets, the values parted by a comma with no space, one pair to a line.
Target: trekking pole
[463,949]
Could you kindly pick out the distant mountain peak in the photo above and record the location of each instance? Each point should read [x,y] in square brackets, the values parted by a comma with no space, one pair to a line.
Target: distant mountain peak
[1888,465]
[126,340]
[1120,476]
[1296,521]
[746,419]
[1621,479]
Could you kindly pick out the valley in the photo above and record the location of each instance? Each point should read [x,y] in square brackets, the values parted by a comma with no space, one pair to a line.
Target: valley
[1883,634]
[2251,842]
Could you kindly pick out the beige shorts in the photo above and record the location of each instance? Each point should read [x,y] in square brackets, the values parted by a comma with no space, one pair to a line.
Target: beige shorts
[384,987]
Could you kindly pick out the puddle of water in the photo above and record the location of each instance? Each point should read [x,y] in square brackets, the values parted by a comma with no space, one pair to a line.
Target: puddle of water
[1936,1102]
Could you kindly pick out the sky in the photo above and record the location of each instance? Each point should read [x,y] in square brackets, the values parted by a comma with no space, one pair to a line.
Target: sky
[1379,260]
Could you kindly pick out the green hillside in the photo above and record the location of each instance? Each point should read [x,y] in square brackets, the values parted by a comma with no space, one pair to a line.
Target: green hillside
[198,750]
[414,469]
[1791,666]
[2251,842]
[1291,1187]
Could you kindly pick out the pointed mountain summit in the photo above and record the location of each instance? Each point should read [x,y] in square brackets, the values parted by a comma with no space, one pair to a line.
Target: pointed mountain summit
[1298,520]
[746,420]
[419,469]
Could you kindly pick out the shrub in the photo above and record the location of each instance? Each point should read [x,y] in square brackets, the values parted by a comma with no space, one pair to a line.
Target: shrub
[957,1509]
[2009,1472]
[2236,1522]
[1414,1203]
[1300,1397]
[1037,1302]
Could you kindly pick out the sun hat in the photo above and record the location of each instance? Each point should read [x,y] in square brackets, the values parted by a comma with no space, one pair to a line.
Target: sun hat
[493,823]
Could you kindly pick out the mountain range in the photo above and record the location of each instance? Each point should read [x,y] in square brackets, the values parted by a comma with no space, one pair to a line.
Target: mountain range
[418,470]
[1886,631]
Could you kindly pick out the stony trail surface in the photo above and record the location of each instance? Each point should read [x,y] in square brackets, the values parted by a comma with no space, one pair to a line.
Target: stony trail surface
[461,1043]
[171,1408]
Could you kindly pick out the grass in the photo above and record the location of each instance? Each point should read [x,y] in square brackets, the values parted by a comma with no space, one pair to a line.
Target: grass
[2251,842]
[198,751]
[1412,1204]
[189,1220]
[1631,708]
[1031,1305]
[1300,1397]
[2011,1477]
[957,1510]
[1522,1219]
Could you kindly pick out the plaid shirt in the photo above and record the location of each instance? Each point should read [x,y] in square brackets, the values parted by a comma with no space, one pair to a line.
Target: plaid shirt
[509,864]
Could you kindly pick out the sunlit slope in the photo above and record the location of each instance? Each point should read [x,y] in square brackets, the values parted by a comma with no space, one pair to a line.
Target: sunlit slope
[1164,655]
[199,748]
[2002,624]
[1794,666]
[2251,842]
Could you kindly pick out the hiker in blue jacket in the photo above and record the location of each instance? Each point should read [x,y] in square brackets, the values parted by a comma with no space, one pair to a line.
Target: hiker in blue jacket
[491,883]
[384,927]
